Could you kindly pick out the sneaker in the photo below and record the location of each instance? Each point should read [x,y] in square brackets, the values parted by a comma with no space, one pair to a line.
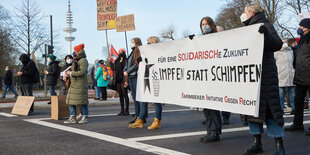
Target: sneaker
[211,138]
[71,120]
[79,117]
[84,120]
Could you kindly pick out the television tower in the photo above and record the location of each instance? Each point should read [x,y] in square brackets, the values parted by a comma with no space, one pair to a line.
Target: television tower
[69,29]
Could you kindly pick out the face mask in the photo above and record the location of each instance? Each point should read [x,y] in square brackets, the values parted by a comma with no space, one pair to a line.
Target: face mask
[69,61]
[243,17]
[6,69]
[132,46]
[97,64]
[121,55]
[300,31]
[74,54]
[284,45]
[206,29]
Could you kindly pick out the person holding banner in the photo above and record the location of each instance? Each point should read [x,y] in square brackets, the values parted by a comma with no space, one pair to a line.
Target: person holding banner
[270,110]
[158,107]
[213,117]
[130,72]
[78,91]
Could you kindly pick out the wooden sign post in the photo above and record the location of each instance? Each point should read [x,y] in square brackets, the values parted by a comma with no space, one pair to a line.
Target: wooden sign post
[22,105]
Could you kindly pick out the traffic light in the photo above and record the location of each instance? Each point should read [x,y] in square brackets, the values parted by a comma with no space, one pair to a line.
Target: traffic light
[50,49]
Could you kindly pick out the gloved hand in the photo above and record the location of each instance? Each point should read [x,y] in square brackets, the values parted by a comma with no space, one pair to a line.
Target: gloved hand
[263,29]
[139,59]
[191,36]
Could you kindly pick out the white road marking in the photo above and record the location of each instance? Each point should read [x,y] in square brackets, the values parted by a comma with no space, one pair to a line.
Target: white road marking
[112,139]
[188,134]
[7,114]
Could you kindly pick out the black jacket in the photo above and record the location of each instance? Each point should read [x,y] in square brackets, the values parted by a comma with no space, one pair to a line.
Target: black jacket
[118,74]
[8,78]
[269,106]
[51,77]
[302,70]
[28,70]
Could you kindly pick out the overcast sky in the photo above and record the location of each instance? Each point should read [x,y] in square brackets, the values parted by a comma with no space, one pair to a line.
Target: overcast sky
[151,16]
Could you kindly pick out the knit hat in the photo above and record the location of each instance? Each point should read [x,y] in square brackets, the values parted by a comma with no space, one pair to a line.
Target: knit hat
[121,50]
[101,62]
[78,48]
[52,57]
[305,23]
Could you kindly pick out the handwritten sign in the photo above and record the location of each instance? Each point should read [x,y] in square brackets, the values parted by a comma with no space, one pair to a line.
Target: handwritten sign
[106,14]
[125,23]
[22,105]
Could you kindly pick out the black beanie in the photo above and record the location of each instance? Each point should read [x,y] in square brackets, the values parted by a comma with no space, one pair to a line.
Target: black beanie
[305,23]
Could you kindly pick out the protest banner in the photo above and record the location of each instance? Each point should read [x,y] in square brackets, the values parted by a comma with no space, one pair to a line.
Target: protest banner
[106,14]
[22,105]
[218,71]
[125,23]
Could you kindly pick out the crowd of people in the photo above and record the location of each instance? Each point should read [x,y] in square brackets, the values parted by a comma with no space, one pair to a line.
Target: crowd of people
[285,76]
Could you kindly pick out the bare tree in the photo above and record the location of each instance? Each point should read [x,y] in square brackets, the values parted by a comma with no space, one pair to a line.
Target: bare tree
[168,33]
[31,34]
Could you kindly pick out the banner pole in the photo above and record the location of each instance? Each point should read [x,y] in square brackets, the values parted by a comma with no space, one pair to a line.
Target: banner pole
[126,43]
[106,34]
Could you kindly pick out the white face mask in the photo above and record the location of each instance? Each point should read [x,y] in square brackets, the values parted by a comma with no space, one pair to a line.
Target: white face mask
[206,29]
[284,45]
[69,61]
[243,17]
[132,45]
[6,69]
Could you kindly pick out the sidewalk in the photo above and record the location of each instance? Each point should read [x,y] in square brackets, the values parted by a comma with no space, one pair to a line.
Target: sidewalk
[41,101]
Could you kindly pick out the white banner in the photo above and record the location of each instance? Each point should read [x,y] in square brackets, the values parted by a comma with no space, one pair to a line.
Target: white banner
[218,71]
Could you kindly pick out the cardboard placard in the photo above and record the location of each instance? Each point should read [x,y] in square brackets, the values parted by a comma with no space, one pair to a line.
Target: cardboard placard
[22,105]
[106,14]
[59,108]
[125,23]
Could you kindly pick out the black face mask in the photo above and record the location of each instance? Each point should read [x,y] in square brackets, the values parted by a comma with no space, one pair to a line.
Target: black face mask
[121,55]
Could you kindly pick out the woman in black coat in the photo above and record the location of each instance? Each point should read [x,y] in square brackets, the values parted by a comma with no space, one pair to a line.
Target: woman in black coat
[270,110]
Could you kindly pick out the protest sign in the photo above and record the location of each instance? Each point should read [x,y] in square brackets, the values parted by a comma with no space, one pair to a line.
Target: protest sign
[218,71]
[125,23]
[59,108]
[106,14]
[22,105]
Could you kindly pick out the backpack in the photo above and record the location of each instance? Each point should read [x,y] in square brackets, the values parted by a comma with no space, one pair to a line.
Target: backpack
[36,75]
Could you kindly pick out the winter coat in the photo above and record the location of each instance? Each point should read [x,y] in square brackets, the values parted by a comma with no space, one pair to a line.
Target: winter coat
[100,78]
[269,106]
[28,70]
[131,68]
[302,70]
[284,59]
[8,78]
[78,91]
[51,77]
[93,72]
[118,67]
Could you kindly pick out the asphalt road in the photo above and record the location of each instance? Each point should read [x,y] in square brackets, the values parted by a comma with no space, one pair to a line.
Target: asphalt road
[107,133]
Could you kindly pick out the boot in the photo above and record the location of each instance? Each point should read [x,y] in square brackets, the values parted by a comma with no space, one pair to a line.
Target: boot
[256,147]
[204,137]
[71,120]
[295,128]
[155,125]
[134,120]
[279,146]
[137,124]
[211,138]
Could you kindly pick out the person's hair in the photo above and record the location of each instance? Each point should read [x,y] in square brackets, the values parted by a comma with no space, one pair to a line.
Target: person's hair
[136,52]
[152,40]
[291,41]
[68,56]
[254,8]
[210,23]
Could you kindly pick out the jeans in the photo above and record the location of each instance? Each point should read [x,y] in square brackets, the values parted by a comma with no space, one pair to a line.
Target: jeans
[6,87]
[27,89]
[97,89]
[52,90]
[83,109]
[299,104]
[133,86]
[274,130]
[213,121]
[158,110]
[291,95]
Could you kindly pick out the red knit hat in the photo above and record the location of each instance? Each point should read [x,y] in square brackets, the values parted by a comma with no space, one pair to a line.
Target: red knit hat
[78,48]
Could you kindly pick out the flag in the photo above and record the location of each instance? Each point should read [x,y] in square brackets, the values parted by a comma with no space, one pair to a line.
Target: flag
[113,54]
